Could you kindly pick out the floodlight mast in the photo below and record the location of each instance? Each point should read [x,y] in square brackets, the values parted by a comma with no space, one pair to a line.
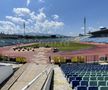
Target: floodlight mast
[24,27]
[84,25]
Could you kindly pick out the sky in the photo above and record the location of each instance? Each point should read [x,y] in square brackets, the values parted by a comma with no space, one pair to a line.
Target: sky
[64,17]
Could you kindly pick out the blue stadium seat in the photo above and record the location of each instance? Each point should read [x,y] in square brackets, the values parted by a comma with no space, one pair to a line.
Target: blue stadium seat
[89,75]
[75,83]
[81,88]
[75,75]
[92,88]
[71,78]
[79,78]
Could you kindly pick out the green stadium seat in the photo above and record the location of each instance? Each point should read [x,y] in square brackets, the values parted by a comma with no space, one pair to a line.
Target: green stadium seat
[104,74]
[85,78]
[103,88]
[86,75]
[93,83]
[106,78]
[77,73]
[100,78]
[98,75]
[93,78]
[84,83]
[92,75]
[101,83]
[106,83]
[80,75]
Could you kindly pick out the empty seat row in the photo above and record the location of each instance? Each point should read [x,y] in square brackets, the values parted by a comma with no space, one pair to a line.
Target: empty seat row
[88,75]
[70,78]
[91,88]
[95,78]
[94,83]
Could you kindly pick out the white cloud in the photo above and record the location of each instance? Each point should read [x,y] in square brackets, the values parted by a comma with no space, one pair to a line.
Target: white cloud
[55,17]
[41,17]
[101,26]
[16,20]
[52,24]
[35,22]
[6,23]
[21,11]
[7,27]
[43,24]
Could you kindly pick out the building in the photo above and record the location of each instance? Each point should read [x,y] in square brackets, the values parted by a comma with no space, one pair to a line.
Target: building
[103,32]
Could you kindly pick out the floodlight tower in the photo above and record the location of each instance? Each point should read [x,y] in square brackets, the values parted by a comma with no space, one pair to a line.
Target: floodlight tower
[24,27]
[84,25]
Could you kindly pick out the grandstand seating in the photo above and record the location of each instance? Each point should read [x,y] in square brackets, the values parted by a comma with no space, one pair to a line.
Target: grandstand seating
[86,76]
[95,39]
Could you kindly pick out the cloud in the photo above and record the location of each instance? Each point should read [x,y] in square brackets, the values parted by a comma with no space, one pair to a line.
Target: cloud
[52,24]
[41,17]
[43,24]
[7,27]
[28,2]
[35,22]
[21,11]
[16,20]
[55,17]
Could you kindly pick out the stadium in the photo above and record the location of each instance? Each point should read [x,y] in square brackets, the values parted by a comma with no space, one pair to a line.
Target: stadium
[53,45]
[61,63]
[56,66]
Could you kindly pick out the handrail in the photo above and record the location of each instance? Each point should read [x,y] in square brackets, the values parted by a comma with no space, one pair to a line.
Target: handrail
[36,78]
[47,83]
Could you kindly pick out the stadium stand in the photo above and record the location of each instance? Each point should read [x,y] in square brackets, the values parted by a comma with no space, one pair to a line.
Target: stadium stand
[82,76]
[96,39]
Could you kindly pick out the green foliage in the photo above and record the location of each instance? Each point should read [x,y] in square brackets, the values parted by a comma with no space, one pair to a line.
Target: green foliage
[20,60]
[74,60]
[58,59]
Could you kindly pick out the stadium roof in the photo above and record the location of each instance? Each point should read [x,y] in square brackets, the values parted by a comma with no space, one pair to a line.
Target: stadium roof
[101,31]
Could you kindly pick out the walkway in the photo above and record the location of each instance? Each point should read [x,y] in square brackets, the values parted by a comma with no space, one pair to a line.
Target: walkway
[60,82]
